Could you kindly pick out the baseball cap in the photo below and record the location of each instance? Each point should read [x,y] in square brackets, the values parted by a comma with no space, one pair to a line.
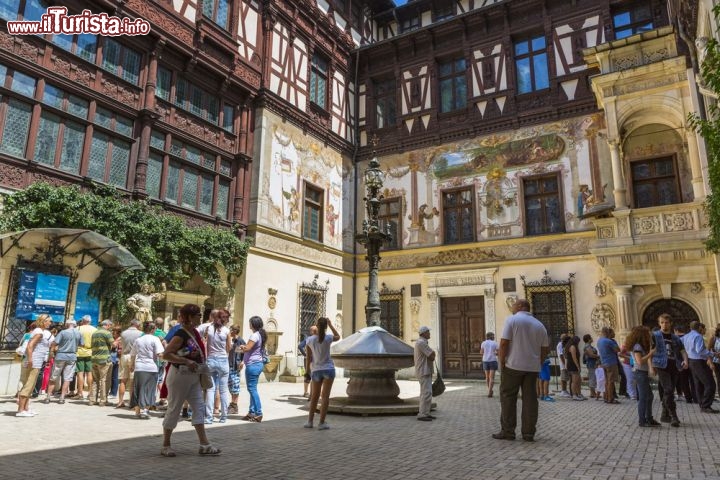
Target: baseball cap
[423,329]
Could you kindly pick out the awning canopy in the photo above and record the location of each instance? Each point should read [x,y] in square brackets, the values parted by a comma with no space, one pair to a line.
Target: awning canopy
[85,245]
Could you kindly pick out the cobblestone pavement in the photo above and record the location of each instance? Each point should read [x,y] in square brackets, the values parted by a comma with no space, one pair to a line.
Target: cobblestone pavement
[575,440]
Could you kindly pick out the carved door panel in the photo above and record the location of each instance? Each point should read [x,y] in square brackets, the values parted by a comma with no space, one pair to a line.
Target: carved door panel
[462,330]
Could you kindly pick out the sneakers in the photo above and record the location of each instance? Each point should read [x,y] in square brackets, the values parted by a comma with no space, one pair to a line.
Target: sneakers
[323,426]
[674,422]
[564,394]
[579,398]
[308,425]
[547,398]
[25,414]
[144,414]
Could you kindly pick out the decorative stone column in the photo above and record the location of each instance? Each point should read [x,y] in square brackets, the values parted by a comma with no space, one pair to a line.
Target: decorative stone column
[625,313]
[711,304]
[490,310]
[693,156]
[619,190]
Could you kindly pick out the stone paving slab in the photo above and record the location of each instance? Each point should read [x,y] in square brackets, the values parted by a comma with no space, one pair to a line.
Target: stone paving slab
[575,441]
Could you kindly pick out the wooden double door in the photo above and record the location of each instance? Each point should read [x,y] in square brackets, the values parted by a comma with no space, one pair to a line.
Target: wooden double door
[463,331]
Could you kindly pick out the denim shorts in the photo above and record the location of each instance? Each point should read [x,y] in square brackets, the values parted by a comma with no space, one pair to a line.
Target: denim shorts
[320,375]
[490,366]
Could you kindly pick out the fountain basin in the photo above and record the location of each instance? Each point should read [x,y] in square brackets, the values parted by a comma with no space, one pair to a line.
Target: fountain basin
[371,357]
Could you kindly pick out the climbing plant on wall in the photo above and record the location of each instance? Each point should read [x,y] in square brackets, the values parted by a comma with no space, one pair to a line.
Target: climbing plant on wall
[709,129]
[171,251]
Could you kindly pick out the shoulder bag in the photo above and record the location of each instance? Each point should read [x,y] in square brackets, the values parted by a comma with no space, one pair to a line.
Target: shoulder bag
[206,381]
[438,386]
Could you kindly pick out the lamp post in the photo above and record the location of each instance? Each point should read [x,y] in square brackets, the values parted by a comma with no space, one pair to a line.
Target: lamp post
[373,238]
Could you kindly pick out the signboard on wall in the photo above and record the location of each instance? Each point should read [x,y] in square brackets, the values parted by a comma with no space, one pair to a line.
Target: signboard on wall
[42,293]
[86,304]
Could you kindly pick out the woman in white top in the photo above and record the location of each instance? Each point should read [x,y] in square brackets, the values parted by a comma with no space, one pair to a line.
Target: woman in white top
[218,342]
[37,351]
[317,349]
[144,363]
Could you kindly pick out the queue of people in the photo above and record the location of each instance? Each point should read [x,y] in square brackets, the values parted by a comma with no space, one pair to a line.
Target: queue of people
[194,368]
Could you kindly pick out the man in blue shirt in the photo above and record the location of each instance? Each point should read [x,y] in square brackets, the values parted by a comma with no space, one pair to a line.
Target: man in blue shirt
[700,359]
[608,350]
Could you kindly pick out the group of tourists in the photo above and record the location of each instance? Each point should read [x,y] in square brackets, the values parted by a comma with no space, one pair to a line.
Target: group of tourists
[193,368]
[682,362]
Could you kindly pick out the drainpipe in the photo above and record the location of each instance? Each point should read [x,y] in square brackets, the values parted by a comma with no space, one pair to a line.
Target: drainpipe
[355,187]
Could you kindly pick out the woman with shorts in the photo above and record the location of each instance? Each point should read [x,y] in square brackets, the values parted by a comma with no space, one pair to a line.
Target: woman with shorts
[317,349]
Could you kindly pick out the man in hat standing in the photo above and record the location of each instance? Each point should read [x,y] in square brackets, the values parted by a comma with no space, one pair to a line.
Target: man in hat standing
[523,347]
[424,358]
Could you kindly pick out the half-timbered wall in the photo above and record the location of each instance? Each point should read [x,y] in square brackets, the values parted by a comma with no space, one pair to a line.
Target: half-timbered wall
[289,67]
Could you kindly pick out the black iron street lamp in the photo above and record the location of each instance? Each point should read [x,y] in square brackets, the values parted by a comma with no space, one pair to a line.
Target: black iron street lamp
[373,238]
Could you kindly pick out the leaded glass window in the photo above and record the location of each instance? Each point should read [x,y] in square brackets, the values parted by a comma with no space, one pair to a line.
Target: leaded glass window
[16,128]
[190,189]
[172,182]
[47,138]
[206,193]
[390,217]
[72,145]
[312,213]
[228,117]
[154,175]
[223,199]
[9,9]
[164,80]
[453,85]
[385,103]
[121,60]
[543,207]
[318,81]
[83,45]
[157,140]
[458,216]
[109,159]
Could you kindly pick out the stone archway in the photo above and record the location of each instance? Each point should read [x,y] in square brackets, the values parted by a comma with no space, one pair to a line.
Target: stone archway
[681,312]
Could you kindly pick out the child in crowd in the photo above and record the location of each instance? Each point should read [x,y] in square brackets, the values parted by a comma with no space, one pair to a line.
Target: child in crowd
[600,382]
[544,382]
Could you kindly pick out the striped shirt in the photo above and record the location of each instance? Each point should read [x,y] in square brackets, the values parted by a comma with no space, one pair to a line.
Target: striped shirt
[101,344]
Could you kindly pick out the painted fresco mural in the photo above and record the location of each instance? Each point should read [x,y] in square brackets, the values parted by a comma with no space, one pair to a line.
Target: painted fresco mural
[294,159]
[494,167]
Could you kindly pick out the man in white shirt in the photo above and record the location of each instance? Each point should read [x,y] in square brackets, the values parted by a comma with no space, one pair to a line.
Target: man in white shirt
[488,350]
[424,358]
[523,346]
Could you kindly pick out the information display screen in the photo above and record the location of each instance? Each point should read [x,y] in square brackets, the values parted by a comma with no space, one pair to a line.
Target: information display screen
[42,293]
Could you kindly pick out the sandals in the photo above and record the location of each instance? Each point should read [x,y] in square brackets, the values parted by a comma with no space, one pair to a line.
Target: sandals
[167,452]
[209,449]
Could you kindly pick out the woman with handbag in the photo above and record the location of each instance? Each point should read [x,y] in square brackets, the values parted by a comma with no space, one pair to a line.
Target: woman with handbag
[186,355]
[253,358]
[317,349]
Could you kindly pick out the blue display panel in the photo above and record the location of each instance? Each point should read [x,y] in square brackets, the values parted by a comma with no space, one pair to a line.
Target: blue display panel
[42,293]
[86,304]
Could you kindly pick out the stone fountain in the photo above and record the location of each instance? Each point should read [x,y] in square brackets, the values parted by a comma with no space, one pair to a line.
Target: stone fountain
[371,356]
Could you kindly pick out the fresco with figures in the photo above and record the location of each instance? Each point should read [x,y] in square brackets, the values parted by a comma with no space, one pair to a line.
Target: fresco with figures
[493,166]
[295,159]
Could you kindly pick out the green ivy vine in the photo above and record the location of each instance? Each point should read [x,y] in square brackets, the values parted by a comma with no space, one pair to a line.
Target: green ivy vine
[171,251]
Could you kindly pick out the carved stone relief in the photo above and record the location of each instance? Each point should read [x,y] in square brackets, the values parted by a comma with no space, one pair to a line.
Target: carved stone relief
[602,316]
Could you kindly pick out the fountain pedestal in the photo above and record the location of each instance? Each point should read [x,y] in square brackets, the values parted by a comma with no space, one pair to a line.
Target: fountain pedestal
[371,357]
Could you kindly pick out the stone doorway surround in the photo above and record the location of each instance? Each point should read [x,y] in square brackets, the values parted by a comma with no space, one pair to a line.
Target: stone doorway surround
[460,283]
